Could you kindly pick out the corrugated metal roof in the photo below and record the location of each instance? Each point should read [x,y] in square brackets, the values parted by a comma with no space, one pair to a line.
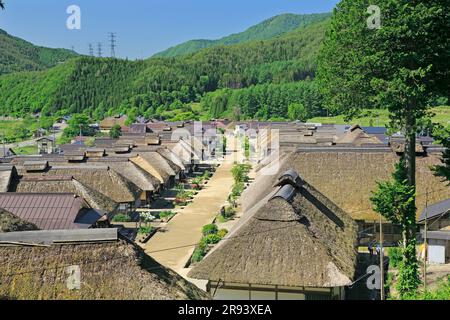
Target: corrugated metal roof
[46,211]
[435,210]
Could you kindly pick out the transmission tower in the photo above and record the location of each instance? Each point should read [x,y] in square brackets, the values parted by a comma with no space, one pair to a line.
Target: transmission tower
[99,49]
[112,42]
[91,50]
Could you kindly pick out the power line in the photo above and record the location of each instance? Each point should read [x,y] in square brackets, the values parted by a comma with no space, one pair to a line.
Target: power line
[91,50]
[112,43]
[99,50]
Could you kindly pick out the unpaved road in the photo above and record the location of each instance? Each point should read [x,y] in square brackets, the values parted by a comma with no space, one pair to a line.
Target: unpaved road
[174,247]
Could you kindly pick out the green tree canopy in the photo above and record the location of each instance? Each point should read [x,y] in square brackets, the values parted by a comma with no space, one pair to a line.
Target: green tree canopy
[115,132]
[297,111]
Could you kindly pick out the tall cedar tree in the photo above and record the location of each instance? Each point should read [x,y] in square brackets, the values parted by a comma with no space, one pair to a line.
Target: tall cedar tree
[398,66]
[394,200]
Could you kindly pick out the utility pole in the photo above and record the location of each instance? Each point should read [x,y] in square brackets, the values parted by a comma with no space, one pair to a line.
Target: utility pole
[54,139]
[99,49]
[425,245]
[112,42]
[91,50]
[381,261]
[4,146]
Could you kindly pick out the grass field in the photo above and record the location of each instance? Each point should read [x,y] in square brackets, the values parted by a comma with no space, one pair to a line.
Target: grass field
[18,129]
[381,118]
[26,151]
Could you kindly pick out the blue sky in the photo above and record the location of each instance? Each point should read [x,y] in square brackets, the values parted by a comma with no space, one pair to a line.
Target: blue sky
[143,27]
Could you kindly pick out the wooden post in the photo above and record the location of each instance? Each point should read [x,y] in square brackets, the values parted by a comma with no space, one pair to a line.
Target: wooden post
[425,245]
[381,260]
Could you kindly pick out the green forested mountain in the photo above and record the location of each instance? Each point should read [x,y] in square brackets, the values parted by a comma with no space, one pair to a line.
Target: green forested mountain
[19,55]
[265,30]
[154,87]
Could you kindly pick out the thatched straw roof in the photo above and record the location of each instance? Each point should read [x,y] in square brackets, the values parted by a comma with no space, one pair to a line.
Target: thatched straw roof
[95,152]
[181,150]
[172,158]
[6,175]
[304,241]
[110,122]
[101,179]
[357,136]
[114,270]
[155,164]
[348,178]
[132,172]
[75,155]
[65,184]
[35,165]
[11,223]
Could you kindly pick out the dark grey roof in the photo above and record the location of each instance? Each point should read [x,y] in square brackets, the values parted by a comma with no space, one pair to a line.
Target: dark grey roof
[286,192]
[375,130]
[435,210]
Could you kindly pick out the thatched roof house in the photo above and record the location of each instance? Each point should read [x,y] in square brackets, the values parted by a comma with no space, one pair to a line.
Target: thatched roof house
[156,165]
[109,122]
[131,171]
[102,179]
[65,184]
[297,239]
[356,136]
[11,223]
[51,211]
[109,269]
[172,158]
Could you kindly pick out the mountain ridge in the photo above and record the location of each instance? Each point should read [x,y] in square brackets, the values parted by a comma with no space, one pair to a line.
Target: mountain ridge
[17,55]
[270,28]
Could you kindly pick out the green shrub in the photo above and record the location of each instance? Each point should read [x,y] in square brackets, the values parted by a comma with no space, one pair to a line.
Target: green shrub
[222,233]
[210,229]
[121,218]
[395,256]
[206,175]
[146,230]
[237,190]
[442,292]
[199,253]
[166,214]
[211,239]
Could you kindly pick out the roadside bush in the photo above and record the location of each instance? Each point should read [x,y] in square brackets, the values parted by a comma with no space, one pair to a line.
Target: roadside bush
[211,239]
[199,253]
[395,256]
[237,190]
[146,230]
[222,233]
[210,229]
[166,214]
[121,218]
